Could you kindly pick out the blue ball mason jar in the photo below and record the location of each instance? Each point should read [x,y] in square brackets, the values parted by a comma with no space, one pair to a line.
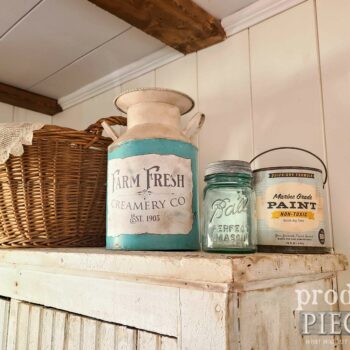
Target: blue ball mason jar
[229,223]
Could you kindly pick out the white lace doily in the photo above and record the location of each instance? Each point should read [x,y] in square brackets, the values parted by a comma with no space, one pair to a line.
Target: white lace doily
[13,136]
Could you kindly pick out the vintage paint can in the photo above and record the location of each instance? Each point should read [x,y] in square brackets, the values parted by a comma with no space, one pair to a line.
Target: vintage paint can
[152,199]
[290,208]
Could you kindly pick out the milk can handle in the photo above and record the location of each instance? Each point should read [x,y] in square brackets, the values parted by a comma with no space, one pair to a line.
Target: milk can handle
[299,149]
[97,128]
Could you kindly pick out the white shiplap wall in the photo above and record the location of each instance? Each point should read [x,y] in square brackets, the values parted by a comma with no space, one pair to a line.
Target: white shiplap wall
[284,81]
[334,33]
[10,114]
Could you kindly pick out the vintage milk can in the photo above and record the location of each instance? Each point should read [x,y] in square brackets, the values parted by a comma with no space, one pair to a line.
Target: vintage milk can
[152,194]
[289,208]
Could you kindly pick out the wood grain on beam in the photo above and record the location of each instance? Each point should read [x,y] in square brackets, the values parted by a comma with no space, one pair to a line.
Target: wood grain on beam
[180,24]
[29,100]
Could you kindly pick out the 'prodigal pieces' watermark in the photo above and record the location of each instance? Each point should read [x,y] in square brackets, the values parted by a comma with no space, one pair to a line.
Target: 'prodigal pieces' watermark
[323,322]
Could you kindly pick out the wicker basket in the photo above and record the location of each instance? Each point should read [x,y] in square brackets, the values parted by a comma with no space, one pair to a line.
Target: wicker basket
[54,195]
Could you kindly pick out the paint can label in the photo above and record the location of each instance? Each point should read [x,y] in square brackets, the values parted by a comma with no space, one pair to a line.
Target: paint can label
[149,193]
[289,207]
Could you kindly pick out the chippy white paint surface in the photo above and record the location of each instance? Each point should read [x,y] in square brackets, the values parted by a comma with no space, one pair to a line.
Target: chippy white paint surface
[176,267]
[259,314]
[93,298]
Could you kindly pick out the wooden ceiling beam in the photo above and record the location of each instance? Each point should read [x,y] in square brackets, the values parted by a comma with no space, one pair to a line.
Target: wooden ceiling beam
[29,100]
[181,24]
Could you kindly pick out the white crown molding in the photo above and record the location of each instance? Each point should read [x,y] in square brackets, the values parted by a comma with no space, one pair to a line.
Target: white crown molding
[255,13]
[131,71]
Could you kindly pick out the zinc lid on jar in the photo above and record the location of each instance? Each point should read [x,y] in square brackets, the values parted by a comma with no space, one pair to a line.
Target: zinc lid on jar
[142,95]
[228,167]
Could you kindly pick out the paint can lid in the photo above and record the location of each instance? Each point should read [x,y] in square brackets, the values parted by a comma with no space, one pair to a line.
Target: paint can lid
[228,167]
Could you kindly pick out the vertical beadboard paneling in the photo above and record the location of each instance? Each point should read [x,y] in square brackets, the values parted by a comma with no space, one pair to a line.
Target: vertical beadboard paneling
[59,325]
[12,325]
[144,81]
[23,326]
[4,319]
[34,327]
[168,343]
[334,33]
[6,113]
[180,75]
[73,332]
[46,329]
[286,92]
[224,96]
[106,339]
[126,338]
[148,341]
[25,115]
[89,331]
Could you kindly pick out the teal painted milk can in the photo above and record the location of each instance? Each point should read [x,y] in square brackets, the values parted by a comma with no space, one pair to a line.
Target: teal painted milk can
[152,197]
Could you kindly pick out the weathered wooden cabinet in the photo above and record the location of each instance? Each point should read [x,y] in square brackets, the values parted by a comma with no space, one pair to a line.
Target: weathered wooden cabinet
[98,299]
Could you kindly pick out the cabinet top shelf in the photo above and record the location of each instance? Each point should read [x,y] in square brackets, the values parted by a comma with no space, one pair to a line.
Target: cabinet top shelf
[196,268]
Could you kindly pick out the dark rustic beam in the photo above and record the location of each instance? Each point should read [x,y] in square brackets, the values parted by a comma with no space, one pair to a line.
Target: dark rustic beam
[29,100]
[180,24]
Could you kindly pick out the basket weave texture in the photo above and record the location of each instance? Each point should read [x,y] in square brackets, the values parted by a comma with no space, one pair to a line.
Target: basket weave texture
[54,195]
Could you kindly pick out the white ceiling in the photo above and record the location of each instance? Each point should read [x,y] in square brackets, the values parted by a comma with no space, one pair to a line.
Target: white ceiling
[54,47]
[12,11]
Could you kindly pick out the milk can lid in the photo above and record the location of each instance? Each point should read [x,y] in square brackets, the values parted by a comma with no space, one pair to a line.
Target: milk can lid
[227,167]
[176,98]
